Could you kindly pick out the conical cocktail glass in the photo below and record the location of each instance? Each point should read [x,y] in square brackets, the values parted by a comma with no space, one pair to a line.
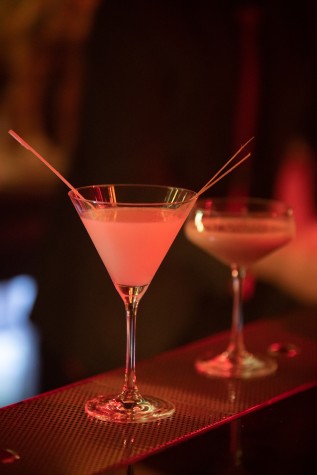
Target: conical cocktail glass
[132,228]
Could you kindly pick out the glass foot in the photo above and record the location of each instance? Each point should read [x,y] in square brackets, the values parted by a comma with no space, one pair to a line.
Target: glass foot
[112,409]
[246,366]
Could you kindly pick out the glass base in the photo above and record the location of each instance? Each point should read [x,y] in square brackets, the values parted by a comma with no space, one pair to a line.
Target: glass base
[246,366]
[112,409]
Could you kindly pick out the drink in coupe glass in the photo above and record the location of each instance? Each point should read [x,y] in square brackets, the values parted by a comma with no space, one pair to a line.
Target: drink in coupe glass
[239,232]
[132,228]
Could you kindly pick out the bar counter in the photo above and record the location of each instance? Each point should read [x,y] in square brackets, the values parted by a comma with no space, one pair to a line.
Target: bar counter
[262,426]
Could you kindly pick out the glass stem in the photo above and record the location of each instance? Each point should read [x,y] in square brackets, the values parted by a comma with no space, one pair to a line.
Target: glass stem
[236,346]
[131,297]
[130,376]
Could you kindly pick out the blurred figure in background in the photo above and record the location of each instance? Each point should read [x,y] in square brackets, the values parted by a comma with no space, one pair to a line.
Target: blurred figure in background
[41,60]
[171,90]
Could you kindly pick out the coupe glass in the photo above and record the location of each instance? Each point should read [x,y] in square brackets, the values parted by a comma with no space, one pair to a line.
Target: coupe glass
[239,232]
[132,228]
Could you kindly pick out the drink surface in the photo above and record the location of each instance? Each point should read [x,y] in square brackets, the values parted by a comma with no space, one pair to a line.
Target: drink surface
[132,241]
[239,240]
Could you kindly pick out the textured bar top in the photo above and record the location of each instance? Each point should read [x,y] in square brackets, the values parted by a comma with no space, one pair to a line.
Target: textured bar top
[52,435]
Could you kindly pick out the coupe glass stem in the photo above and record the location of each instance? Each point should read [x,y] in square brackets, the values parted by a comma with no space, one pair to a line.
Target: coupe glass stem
[236,347]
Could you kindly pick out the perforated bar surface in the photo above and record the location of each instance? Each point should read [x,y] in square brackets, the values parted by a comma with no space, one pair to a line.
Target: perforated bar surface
[51,434]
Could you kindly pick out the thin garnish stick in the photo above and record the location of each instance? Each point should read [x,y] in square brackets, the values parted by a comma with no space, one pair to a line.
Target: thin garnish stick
[230,160]
[31,149]
[209,184]
[213,180]
[112,194]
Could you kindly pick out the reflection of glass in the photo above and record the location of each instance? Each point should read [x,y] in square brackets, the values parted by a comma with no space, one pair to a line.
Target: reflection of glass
[132,228]
[239,232]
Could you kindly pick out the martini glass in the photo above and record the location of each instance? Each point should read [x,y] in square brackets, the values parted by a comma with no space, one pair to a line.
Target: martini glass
[239,232]
[132,228]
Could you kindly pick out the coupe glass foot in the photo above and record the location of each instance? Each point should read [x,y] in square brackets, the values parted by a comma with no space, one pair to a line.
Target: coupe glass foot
[112,409]
[246,367]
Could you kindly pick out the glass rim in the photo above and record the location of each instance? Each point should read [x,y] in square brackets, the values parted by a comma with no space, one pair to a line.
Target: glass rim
[72,193]
[245,199]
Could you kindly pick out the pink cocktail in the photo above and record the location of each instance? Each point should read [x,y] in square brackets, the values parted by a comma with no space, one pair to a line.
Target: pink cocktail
[239,232]
[132,228]
[241,241]
[132,242]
